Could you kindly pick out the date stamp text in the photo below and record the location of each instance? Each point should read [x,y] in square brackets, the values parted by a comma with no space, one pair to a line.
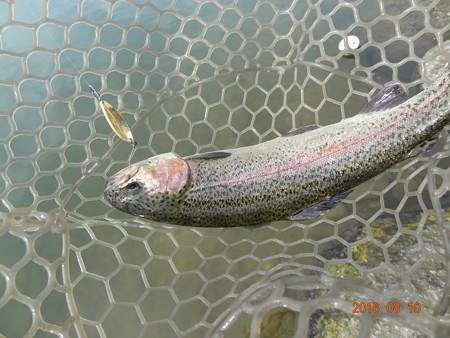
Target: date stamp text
[390,307]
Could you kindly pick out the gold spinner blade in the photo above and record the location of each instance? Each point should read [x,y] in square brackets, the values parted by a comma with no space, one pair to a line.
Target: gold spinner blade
[115,120]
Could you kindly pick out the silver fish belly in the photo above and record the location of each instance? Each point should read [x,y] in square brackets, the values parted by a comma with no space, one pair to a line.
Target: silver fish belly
[278,179]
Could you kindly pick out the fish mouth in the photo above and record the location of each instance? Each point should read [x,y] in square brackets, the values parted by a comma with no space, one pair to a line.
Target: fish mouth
[121,176]
[113,179]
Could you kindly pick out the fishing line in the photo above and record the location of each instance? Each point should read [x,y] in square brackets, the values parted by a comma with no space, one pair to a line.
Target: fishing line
[115,120]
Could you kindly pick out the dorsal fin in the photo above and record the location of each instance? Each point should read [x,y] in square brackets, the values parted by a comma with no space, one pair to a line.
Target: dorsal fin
[301,130]
[208,156]
[388,97]
[320,208]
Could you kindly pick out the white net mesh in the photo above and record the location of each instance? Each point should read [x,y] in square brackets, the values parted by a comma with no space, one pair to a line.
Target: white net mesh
[195,76]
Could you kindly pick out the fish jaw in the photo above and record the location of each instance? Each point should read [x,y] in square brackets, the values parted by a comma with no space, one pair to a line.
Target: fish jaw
[115,186]
[121,177]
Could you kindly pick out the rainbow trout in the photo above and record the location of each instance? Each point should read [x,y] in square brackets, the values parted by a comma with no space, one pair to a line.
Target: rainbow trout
[297,176]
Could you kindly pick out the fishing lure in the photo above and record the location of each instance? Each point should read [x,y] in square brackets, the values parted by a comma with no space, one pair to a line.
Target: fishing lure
[115,120]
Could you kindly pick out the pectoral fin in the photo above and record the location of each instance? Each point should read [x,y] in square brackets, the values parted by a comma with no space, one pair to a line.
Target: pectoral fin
[320,208]
[208,156]
[302,130]
[388,97]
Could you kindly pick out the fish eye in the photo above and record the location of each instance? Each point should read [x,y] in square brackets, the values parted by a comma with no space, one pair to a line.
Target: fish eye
[133,186]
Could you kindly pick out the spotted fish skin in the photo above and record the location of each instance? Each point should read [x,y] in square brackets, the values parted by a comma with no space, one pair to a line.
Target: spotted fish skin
[272,180]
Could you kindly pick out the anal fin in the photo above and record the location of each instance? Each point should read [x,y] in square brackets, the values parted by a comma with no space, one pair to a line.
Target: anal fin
[388,97]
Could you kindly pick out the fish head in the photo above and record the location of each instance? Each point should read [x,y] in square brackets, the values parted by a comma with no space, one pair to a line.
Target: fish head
[149,187]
